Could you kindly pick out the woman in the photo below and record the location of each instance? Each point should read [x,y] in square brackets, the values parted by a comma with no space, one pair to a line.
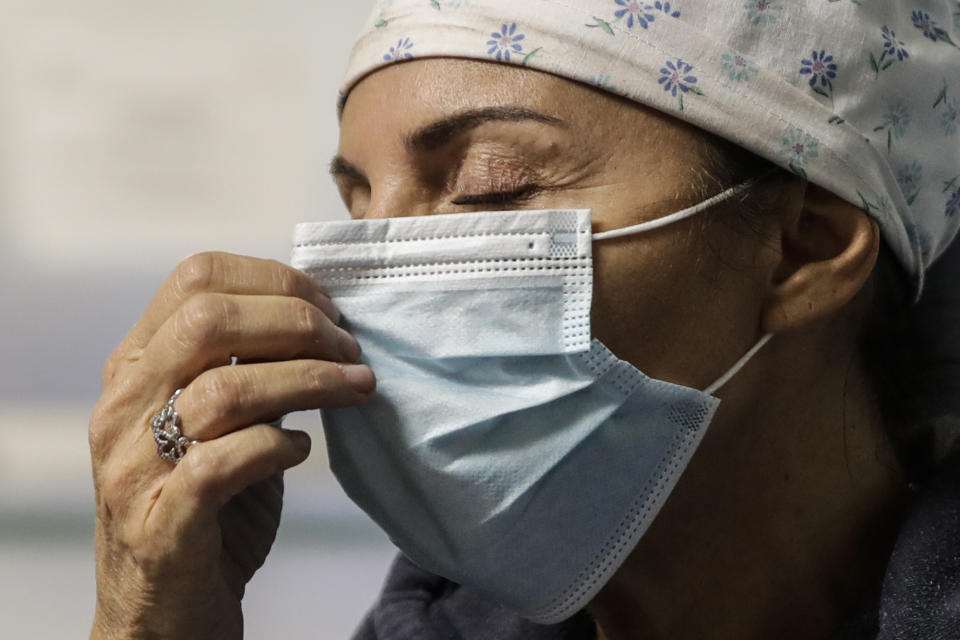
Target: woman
[821,500]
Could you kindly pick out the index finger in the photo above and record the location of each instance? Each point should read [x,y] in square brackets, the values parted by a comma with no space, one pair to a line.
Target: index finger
[225,273]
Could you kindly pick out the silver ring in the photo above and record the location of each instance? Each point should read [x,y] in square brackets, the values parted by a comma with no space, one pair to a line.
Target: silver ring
[167,429]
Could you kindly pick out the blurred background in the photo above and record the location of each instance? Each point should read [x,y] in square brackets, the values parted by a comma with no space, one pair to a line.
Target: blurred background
[131,135]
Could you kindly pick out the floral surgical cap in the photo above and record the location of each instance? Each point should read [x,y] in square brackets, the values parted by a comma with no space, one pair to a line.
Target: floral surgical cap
[861,97]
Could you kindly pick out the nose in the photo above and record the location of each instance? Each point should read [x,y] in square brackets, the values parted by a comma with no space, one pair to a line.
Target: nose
[402,196]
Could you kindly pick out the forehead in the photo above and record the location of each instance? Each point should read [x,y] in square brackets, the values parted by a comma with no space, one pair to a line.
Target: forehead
[409,94]
[443,85]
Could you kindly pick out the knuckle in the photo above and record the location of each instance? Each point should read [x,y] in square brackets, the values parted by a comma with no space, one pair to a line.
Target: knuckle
[111,366]
[321,376]
[203,468]
[121,356]
[198,272]
[203,318]
[307,317]
[220,392]
[97,430]
[197,466]
[289,281]
[102,429]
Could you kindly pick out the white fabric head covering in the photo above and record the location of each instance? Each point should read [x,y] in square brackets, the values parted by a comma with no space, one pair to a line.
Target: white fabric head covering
[861,97]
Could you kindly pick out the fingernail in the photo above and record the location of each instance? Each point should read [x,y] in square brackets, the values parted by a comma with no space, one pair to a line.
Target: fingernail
[360,377]
[349,347]
[300,440]
[325,304]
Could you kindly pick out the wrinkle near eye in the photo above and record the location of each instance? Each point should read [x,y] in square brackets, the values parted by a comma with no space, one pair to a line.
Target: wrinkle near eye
[492,169]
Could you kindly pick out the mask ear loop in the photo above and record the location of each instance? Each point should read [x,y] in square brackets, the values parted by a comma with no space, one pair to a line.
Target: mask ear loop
[687,213]
[740,364]
[682,214]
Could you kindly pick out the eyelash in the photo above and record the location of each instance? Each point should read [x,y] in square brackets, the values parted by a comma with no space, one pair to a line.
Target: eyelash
[499,198]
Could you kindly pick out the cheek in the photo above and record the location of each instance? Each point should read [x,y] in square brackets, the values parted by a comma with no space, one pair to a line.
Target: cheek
[656,304]
[634,300]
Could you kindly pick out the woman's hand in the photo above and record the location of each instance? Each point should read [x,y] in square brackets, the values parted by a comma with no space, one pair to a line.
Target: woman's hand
[177,544]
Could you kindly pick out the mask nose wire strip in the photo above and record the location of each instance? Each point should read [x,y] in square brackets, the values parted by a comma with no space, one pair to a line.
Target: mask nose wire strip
[680,215]
[740,364]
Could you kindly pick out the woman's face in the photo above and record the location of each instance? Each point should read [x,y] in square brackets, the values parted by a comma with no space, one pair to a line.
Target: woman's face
[775,471]
[681,303]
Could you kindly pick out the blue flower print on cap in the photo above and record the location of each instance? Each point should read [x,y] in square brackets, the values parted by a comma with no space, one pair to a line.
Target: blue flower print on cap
[763,12]
[738,68]
[676,79]
[664,7]
[799,147]
[634,12]
[401,51]
[922,21]
[893,51]
[909,178]
[822,71]
[953,204]
[672,80]
[892,46]
[505,42]
[895,122]
[950,120]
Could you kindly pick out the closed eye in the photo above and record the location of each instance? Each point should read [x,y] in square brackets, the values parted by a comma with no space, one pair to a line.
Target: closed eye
[500,198]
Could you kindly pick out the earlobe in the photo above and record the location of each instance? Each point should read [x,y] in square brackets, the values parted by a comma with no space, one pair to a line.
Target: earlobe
[827,255]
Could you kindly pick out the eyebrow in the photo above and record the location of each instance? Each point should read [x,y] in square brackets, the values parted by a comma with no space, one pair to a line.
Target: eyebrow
[435,135]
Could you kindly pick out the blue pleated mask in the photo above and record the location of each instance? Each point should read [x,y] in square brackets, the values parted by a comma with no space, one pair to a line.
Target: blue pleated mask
[505,449]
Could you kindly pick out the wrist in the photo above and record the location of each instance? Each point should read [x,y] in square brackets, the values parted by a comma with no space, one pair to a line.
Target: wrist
[129,625]
[103,630]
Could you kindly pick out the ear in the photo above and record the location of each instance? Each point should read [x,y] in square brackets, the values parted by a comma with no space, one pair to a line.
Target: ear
[828,251]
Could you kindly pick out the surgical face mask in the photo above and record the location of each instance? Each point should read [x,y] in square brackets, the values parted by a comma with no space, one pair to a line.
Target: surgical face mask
[505,449]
